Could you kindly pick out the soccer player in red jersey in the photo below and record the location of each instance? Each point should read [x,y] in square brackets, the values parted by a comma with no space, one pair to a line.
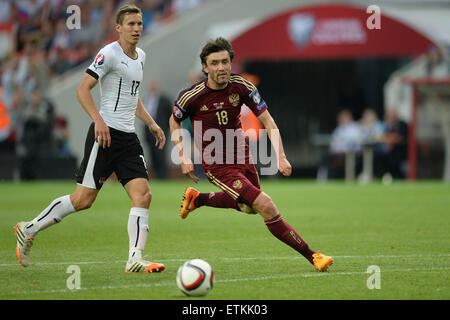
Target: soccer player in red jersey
[213,106]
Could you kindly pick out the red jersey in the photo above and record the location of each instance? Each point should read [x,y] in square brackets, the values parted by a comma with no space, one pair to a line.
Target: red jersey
[215,118]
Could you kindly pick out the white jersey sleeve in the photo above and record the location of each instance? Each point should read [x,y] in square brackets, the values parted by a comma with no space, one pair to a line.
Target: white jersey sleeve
[120,78]
[102,64]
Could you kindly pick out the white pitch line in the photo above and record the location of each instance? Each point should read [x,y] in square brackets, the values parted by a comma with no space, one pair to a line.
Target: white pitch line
[323,274]
[263,278]
[240,258]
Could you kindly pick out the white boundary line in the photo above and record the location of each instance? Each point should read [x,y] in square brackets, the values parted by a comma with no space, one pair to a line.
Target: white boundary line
[240,258]
[263,278]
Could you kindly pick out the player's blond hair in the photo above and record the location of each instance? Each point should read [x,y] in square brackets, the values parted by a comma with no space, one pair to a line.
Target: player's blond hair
[124,10]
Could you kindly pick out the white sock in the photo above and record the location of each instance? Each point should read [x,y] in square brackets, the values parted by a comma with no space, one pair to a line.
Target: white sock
[54,213]
[137,232]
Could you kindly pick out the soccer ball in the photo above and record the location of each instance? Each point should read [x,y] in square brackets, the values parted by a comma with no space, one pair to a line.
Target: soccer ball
[195,277]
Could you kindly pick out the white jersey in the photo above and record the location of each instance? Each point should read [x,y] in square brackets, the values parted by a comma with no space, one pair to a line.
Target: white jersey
[120,79]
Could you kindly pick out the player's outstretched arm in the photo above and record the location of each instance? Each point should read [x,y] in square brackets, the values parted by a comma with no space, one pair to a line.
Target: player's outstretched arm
[187,167]
[274,135]
[154,128]
[84,96]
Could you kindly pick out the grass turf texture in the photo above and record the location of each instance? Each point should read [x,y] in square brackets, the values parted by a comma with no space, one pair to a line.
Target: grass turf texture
[402,228]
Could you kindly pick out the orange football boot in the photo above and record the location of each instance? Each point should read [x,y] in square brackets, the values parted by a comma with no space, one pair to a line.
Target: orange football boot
[321,261]
[189,196]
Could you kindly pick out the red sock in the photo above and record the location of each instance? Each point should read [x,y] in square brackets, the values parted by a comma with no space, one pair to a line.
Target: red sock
[216,200]
[284,232]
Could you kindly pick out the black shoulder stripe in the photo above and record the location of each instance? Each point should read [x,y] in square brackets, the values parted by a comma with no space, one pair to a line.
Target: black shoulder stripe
[92,73]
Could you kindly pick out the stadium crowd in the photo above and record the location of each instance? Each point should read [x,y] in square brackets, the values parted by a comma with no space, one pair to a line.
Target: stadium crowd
[38,47]
[387,138]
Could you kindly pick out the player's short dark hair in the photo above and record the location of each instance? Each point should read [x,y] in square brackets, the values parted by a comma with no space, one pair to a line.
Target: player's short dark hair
[217,45]
[124,10]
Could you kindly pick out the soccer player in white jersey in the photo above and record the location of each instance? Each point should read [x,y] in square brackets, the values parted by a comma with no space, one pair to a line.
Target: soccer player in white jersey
[111,143]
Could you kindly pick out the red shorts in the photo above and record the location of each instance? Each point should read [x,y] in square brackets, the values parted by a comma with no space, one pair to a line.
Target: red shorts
[241,182]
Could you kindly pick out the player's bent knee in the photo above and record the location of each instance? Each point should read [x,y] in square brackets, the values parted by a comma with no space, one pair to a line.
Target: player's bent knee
[264,205]
[246,209]
[82,203]
[147,198]
[142,199]
[83,198]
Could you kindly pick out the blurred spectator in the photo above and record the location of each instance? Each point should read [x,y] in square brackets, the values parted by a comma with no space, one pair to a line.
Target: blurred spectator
[63,38]
[436,64]
[160,108]
[371,129]
[5,127]
[6,9]
[182,6]
[91,25]
[395,145]
[39,72]
[436,106]
[433,115]
[35,133]
[9,81]
[154,12]
[60,135]
[58,64]
[345,138]
[372,132]
[12,94]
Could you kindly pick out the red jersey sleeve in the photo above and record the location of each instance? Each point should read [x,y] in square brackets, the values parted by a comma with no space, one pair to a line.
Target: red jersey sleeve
[181,108]
[179,112]
[250,95]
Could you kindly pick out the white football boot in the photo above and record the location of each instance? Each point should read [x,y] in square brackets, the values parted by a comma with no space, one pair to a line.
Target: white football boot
[24,243]
[143,266]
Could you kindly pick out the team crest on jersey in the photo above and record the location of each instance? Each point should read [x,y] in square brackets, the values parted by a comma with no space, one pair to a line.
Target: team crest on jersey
[177,112]
[237,184]
[234,99]
[100,59]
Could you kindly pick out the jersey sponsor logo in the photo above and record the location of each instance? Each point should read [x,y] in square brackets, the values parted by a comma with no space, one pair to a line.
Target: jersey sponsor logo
[177,112]
[100,59]
[204,108]
[234,99]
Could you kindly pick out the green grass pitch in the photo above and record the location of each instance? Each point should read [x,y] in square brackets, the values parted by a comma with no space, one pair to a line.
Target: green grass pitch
[403,229]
